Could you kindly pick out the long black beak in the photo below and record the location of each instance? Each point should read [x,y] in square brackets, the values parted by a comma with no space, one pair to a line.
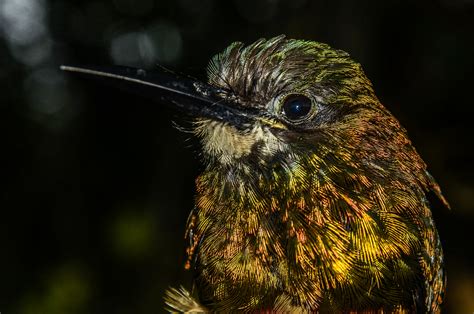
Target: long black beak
[187,95]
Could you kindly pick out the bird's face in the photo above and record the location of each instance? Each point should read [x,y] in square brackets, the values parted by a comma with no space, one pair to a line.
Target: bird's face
[301,94]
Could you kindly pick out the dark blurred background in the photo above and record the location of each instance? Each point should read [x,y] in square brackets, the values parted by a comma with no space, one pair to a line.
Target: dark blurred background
[97,183]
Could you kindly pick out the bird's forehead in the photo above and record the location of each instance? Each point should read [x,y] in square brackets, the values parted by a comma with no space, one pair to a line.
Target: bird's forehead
[268,68]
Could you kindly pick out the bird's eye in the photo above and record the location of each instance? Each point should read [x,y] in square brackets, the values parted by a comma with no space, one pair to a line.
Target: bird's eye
[296,106]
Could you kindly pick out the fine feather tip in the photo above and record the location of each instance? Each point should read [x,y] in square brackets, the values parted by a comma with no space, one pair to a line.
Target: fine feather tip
[437,190]
[181,301]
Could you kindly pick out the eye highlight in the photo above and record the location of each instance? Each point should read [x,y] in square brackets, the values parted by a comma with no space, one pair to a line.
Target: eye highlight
[296,107]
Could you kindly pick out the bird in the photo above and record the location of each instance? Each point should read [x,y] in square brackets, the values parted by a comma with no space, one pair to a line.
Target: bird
[312,198]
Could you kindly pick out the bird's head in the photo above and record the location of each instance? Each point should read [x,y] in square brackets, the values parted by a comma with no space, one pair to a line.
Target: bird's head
[300,99]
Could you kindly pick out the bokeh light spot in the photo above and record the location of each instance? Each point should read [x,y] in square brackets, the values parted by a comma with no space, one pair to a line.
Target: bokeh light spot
[159,43]
[127,49]
[22,23]
[167,40]
[66,290]
[132,235]
[22,20]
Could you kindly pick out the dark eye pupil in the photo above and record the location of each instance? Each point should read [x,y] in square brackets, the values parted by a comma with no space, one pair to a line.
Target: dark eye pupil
[296,107]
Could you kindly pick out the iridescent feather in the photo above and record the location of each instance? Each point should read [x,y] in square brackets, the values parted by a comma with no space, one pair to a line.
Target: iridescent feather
[331,215]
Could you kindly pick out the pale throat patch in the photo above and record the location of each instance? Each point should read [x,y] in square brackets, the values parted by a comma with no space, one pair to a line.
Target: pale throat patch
[228,144]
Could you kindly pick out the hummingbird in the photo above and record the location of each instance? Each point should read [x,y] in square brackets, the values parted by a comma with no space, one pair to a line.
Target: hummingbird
[312,197]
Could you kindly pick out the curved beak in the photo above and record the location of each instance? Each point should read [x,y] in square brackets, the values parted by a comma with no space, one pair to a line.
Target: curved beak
[191,97]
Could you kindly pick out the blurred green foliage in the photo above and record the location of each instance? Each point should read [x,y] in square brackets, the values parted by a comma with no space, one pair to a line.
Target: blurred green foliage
[132,236]
[67,290]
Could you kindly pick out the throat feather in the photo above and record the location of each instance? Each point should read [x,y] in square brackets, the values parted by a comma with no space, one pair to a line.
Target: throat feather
[227,144]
